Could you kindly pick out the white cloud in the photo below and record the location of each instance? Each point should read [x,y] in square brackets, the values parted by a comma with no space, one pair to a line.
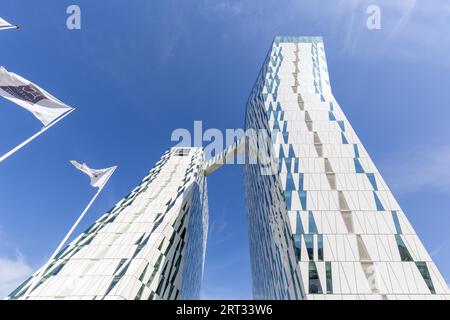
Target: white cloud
[173,31]
[436,251]
[419,169]
[230,8]
[218,232]
[409,28]
[12,273]
[406,9]
[225,7]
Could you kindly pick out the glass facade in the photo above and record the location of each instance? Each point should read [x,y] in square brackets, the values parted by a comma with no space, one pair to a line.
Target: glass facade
[151,245]
[324,225]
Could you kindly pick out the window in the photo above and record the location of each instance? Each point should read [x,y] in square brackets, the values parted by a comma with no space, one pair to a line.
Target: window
[343,206]
[300,180]
[328,168]
[355,148]
[290,185]
[332,180]
[403,250]
[303,199]
[320,247]
[276,125]
[309,241]
[358,166]
[291,151]
[314,282]
[362,250]
[372,180]
[57,269]
[312,223]
[287,161]
[344,139]
[182,152]
[112,285]
[319,149]
[122,261]
[299,225]
[139,294]
[396,222]
[296,170]
[297,246]
[281,155]
[423,269]
[348,220]
[378,202]
[287,198]
[329,277]
[141,278]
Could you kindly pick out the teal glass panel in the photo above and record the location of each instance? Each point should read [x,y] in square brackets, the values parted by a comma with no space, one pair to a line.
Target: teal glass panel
[314,282]
[344,139]
[300,181]
[378,202]
[423,269]
[372,180]
[309,242]
[396,222]
[290,185]
[331,116]
[320,247]
[355,148]
[312,223]
[299,225]
[329,277]
[403,250]
[358,166]
[302,195]
[297,246]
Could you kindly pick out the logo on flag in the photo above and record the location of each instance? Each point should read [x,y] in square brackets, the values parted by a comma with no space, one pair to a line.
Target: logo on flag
[29,96]
[27,93]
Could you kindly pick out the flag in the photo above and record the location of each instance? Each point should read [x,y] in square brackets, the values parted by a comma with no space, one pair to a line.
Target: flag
[26,94]
[5,24]
[98,176]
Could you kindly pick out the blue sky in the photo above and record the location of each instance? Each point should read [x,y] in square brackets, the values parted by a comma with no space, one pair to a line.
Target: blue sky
[140,69]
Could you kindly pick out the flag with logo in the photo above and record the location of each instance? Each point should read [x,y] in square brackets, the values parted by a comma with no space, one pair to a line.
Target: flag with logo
[98,176]
[45,107]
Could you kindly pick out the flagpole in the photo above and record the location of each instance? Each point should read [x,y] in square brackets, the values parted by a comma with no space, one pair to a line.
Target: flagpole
[63,242]
[37,134]
[9,27]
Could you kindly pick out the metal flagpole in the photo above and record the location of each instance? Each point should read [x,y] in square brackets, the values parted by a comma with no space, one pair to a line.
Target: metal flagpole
[38,277]
[20,146]
[9,27]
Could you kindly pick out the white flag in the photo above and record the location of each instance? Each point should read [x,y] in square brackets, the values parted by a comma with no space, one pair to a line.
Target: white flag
[98,176]
[26,94]
[4,23]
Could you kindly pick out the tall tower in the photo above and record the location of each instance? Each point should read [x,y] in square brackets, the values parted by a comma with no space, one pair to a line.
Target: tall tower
[325,225]
[151,245]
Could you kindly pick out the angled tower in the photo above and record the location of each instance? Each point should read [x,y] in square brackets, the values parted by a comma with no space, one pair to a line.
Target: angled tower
[325,225]
[151,245]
